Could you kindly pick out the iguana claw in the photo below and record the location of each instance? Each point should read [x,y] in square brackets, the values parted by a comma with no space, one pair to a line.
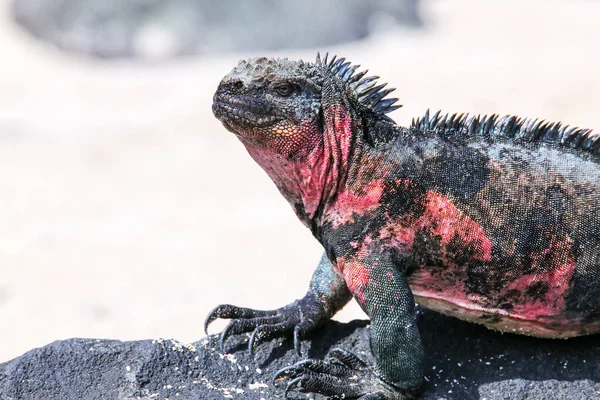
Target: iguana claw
[299,318]
[227,311]
[341,375]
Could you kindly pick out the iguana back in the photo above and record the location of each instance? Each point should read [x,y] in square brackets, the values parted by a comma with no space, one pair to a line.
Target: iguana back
[508,236]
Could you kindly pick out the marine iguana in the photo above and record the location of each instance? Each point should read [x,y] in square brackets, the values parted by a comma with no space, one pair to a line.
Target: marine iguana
[491,219]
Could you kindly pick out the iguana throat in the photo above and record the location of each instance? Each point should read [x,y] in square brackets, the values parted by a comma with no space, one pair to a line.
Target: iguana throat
[298,125]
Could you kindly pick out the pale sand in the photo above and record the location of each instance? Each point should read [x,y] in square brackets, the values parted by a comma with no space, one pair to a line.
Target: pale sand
[128,212]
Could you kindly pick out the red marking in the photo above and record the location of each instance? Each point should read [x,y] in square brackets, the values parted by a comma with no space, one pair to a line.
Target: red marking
[464,308]
[440,218]
[446,224]
[330,165]
[542,317]
[443,220]
[554,266]
[349,203]
[307,166]
[356,275]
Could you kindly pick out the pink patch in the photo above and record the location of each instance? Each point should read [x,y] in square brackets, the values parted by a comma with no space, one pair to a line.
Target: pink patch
[556,272]
[442,219]
[315,174]
[356,276]
[322,174]
[349,203]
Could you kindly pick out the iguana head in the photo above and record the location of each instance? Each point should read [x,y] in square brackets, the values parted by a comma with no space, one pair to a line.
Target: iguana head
[280,104]
[273,103]
[300,120]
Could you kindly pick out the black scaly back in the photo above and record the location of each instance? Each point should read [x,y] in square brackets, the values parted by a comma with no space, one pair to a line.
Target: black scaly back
[367,91]
[510,126]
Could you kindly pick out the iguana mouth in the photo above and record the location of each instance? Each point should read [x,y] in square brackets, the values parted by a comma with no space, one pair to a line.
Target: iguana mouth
[235,111]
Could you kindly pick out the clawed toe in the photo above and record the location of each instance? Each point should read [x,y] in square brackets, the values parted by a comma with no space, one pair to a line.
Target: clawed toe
[227,311]
[331,377]
[265,332]
[347,358]
[238,326]
[319,383]
[342,375]
[295,318]
[311,367]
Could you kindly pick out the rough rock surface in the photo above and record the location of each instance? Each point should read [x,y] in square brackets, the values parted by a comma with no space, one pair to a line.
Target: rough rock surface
[464,361]
[156,28]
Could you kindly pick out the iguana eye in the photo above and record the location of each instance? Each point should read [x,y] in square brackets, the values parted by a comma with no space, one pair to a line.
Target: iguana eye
[285,89]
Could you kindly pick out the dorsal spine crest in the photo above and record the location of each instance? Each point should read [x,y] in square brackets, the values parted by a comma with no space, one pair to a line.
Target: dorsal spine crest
[510,126]
[366,90]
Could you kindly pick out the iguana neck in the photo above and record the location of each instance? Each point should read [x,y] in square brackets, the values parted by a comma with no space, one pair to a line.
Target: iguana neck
[310,181]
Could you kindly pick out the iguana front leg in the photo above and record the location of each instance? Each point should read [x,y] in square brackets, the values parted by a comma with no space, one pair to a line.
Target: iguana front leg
[383,293]
[327,294]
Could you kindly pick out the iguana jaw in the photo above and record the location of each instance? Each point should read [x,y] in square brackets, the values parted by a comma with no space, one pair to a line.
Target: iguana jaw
[239,115]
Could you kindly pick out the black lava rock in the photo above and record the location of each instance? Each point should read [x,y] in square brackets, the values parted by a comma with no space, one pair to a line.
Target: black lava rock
[464,361]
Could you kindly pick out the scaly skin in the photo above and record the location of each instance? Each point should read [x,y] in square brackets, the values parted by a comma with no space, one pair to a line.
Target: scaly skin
[490,220]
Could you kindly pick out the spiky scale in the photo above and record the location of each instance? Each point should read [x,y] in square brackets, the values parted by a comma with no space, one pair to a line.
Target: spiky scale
[349,72]
[596,146]
[332,61]
[578,138]
[374,97]
[509,125]
[450,122]
[365,85]
[385,104]
[358,76]
[342,69]
[588,141]
[336,66]
[425,117]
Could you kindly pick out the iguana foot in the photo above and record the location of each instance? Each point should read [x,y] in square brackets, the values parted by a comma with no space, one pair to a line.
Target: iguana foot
[342,375]
[299,317]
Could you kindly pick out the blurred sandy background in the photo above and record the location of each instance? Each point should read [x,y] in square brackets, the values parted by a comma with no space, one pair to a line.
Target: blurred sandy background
[128,212]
